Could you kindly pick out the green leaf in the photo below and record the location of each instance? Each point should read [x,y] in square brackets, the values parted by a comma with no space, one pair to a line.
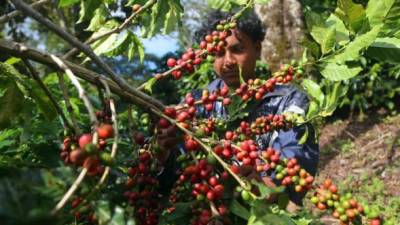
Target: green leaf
[173,17]
[342,34]
[149,84]
[88,7]
[266,191]
[98,19]
[352,50]
[352,14]
[325,37]
[222,5]
[12,60]
[304,138]
[118,216]
[337,72]
[313,110]
[103,212]
[65,3]
[377,10]
[385,49]
[137,45]
[272,219]
[158,17]
[11,103]
[180,215]
[236,208]
[337,91]
[314,90]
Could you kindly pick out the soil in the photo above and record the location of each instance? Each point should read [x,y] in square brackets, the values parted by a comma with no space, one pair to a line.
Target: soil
[352,148]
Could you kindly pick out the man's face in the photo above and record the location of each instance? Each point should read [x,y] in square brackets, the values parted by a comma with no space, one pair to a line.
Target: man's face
[240,52]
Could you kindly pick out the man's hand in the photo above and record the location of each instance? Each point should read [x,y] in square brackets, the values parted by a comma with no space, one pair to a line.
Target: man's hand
[167,140]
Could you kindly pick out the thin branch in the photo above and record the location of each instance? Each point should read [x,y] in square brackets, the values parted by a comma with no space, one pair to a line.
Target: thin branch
[20,50]
[81,91]
[36,77]
[10,15]
[93,120]
[70,191]
[85,49]
[115,30]
[115,128]
[68,104]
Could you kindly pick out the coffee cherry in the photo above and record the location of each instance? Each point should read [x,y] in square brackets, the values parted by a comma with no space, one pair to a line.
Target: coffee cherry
[245,195]
[163,123]
[171,62]
[136,7]
[85,139]
[105,131]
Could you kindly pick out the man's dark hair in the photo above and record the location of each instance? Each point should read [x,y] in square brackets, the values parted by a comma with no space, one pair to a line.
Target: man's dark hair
[250,24]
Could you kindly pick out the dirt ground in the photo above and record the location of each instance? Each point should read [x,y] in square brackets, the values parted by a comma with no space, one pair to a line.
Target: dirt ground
[355,152]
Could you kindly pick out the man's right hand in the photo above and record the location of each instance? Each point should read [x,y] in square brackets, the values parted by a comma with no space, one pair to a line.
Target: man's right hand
[167,141]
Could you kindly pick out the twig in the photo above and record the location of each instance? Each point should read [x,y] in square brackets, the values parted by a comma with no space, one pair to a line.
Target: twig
[70,191]
[22,51]
[115,127]
[93,120]
[115,30]
[85,49]
[10,15]
[68,104]
[36,77]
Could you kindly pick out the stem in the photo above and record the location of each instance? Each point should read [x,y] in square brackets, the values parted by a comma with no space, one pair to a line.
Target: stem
[70,192]
[115,30]
[115,128]
[36,77]
[93,120]
[10,15]
[68,104]
[81,91]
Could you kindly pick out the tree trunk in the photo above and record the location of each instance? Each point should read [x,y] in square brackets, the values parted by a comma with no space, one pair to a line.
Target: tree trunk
[285,28]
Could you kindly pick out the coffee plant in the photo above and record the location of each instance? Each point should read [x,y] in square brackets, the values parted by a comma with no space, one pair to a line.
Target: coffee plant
[83,141]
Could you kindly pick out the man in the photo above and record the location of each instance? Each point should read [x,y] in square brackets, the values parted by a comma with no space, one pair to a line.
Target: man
[241,52]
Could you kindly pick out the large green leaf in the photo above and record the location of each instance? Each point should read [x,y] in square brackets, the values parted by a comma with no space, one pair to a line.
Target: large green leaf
[135,45]
[314,90]
[361,42]
[385,49]
[337,72]
[377,10]
[342,34]
[98,19]
[351,13]
[173,17]
[325,37]
[88,7]
[239,210]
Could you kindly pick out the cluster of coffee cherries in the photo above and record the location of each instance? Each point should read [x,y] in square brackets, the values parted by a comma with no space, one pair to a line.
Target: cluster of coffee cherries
[83,213]
[261,125]
[212,44]
[344,207]
[144,197]
[205,186]
[80,151]
[186,63]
